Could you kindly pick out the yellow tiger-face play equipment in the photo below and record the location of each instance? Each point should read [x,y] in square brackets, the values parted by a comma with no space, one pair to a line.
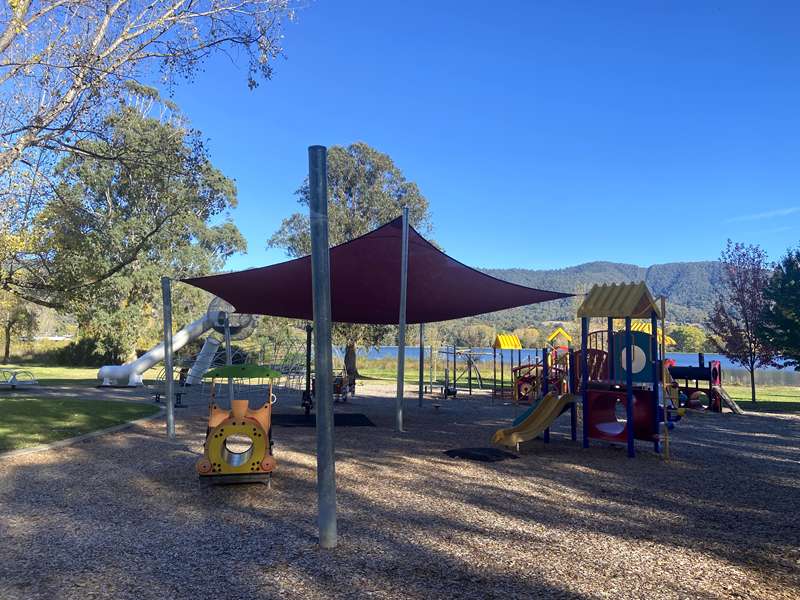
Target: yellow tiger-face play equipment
[227,456]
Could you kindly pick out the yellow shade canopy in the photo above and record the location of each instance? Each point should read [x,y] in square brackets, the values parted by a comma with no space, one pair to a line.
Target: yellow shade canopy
[506,341]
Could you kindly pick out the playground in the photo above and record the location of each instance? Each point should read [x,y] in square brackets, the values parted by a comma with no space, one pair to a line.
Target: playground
[594,468]
[123,515]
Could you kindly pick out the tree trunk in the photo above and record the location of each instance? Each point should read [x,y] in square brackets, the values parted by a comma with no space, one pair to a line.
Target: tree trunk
[350,361]
[753,385]
[7,352]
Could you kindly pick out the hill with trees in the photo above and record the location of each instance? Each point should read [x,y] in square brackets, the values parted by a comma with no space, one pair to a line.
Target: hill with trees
[688,286]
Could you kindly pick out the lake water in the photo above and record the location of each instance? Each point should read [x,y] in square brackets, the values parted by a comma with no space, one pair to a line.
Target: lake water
[731,371]
[485,355]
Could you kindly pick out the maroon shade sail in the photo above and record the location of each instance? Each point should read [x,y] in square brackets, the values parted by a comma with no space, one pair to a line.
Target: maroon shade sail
[365,284]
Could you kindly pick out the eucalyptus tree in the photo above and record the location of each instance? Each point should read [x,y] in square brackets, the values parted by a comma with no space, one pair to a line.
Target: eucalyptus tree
[365,190]
[140,200]
[66,69]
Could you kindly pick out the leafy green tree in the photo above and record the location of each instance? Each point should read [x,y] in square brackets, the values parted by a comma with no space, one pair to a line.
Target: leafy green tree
[115,226]
[16,318]
[780,327]
[476,336]
[739,309]
[365,190]
[529,337]
[688,338]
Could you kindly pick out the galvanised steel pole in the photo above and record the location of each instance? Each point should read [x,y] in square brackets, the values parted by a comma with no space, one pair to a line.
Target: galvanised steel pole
[323,360]
[401,333]
[307,392]
[629,387]
[229,356]
[421,362]
[166,295]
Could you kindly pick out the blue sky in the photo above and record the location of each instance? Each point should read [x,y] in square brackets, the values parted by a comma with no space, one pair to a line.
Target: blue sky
[544,134]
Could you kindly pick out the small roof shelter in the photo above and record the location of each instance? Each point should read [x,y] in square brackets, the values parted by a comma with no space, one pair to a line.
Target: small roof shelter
[506,341]
[559,331]
[619,301]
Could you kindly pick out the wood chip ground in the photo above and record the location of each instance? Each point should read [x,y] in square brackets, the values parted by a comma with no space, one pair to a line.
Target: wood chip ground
[123,515]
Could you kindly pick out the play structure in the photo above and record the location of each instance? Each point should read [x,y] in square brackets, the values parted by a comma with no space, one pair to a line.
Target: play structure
[617,377]
[468,373]
[504,342]
[15,378]
[238,446]
[130,374]
[220,317]
[537,420]
[534,378]
[689,378]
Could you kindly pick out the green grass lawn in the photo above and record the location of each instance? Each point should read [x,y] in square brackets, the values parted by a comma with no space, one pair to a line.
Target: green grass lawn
[28,421]
[50,375]
[768,398]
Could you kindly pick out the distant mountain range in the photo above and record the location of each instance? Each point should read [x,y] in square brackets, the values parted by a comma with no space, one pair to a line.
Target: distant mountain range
[688,286]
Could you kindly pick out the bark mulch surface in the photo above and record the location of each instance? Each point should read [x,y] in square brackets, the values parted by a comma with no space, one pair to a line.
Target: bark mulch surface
[123,515]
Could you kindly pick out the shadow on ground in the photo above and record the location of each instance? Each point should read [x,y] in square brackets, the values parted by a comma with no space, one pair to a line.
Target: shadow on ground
[123,516]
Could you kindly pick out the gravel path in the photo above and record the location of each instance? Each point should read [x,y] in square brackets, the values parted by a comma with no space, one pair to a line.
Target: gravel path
[123,516]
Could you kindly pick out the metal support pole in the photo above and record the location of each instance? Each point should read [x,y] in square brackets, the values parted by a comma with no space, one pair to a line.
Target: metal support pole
[656,386]
[585,378]
[573,409]
[401,333]
[629,387]
[228,358]
[494,375]
[610,348]
[455,373]
[421,362]
[166,295]
[502,376]
[664,377]
[511,371]
[307,402]
[323,360]
[545,389]
[469,373]
[431,368]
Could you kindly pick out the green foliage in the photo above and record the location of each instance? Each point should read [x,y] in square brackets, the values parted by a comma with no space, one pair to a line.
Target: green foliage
[529,337]
[688,338]
[476,336]
[365,190]
[80,353]
[688,286]
[137,203]
[781,319]
[739,309]
[17,318]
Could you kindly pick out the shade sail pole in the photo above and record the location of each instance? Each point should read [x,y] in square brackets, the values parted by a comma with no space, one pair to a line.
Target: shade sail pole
[401,334]
[321,288]
[421,362]
[166,295]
